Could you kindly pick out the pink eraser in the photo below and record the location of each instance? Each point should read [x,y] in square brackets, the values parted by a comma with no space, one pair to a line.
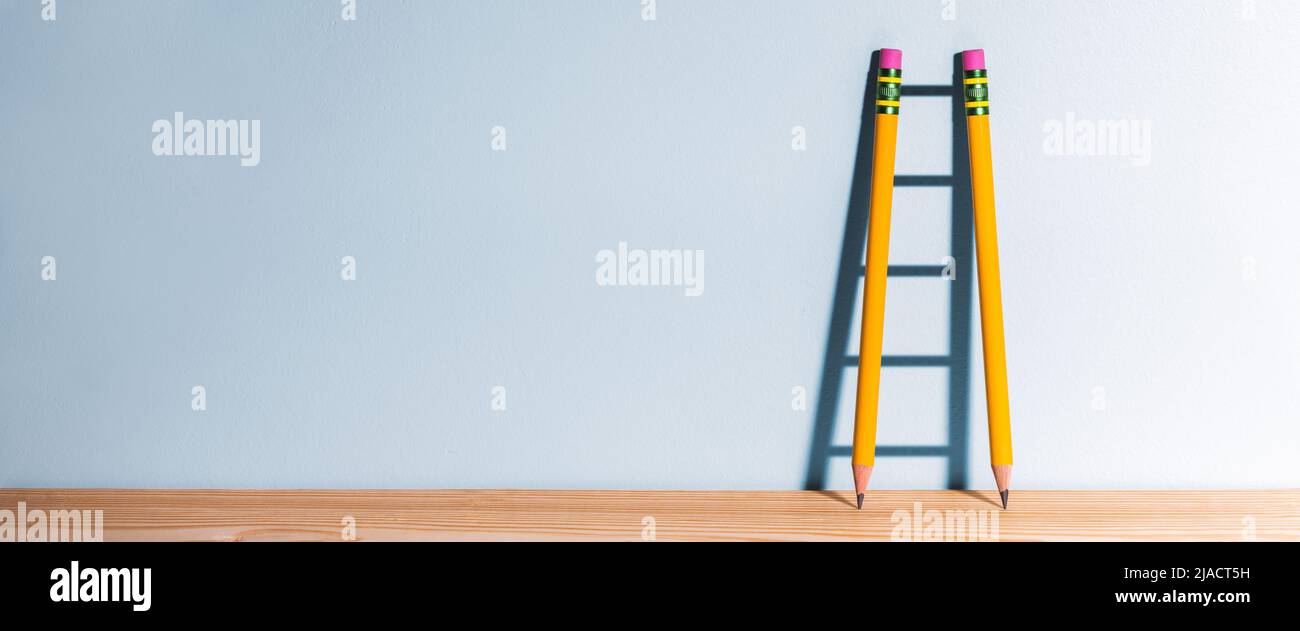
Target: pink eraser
[891,58]
[972,59]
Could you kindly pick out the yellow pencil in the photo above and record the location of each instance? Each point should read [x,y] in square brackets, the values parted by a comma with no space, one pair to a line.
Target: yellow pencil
[975,80]
[889,80]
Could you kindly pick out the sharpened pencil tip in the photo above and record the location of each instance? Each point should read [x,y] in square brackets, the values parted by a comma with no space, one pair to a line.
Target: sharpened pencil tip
[1004,495]
[860,497]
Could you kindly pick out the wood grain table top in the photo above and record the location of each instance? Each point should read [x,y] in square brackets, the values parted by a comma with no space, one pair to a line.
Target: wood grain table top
[571,515]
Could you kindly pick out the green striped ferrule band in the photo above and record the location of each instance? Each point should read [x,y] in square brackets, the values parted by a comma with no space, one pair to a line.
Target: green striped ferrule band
[888,90]
[975,87]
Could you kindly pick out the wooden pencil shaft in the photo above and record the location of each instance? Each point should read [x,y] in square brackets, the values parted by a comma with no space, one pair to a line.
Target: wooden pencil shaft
[990,285]
[873,290]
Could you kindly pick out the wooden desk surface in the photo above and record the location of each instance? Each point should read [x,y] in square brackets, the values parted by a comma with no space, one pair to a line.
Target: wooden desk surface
[379,515]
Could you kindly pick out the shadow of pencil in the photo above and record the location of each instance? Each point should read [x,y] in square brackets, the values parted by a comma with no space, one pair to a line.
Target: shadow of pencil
[959,300]
[852,251]
[839,496]
[985,497]
[846,289]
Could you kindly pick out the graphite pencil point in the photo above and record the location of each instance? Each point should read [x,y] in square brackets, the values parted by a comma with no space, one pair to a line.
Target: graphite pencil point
[860,496]
[1004,495]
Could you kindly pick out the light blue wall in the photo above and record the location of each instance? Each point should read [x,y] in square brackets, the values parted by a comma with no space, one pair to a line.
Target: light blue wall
[1169,289]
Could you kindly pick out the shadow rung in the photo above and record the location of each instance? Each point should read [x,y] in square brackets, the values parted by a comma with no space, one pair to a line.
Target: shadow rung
[924,180]
[928,90]
[896,451]
[909,271]
[905,361]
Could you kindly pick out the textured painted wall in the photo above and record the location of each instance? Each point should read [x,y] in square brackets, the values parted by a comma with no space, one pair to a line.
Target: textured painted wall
[1150,300]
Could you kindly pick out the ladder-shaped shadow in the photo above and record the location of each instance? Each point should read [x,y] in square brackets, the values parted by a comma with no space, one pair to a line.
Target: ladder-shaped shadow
[957,360]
